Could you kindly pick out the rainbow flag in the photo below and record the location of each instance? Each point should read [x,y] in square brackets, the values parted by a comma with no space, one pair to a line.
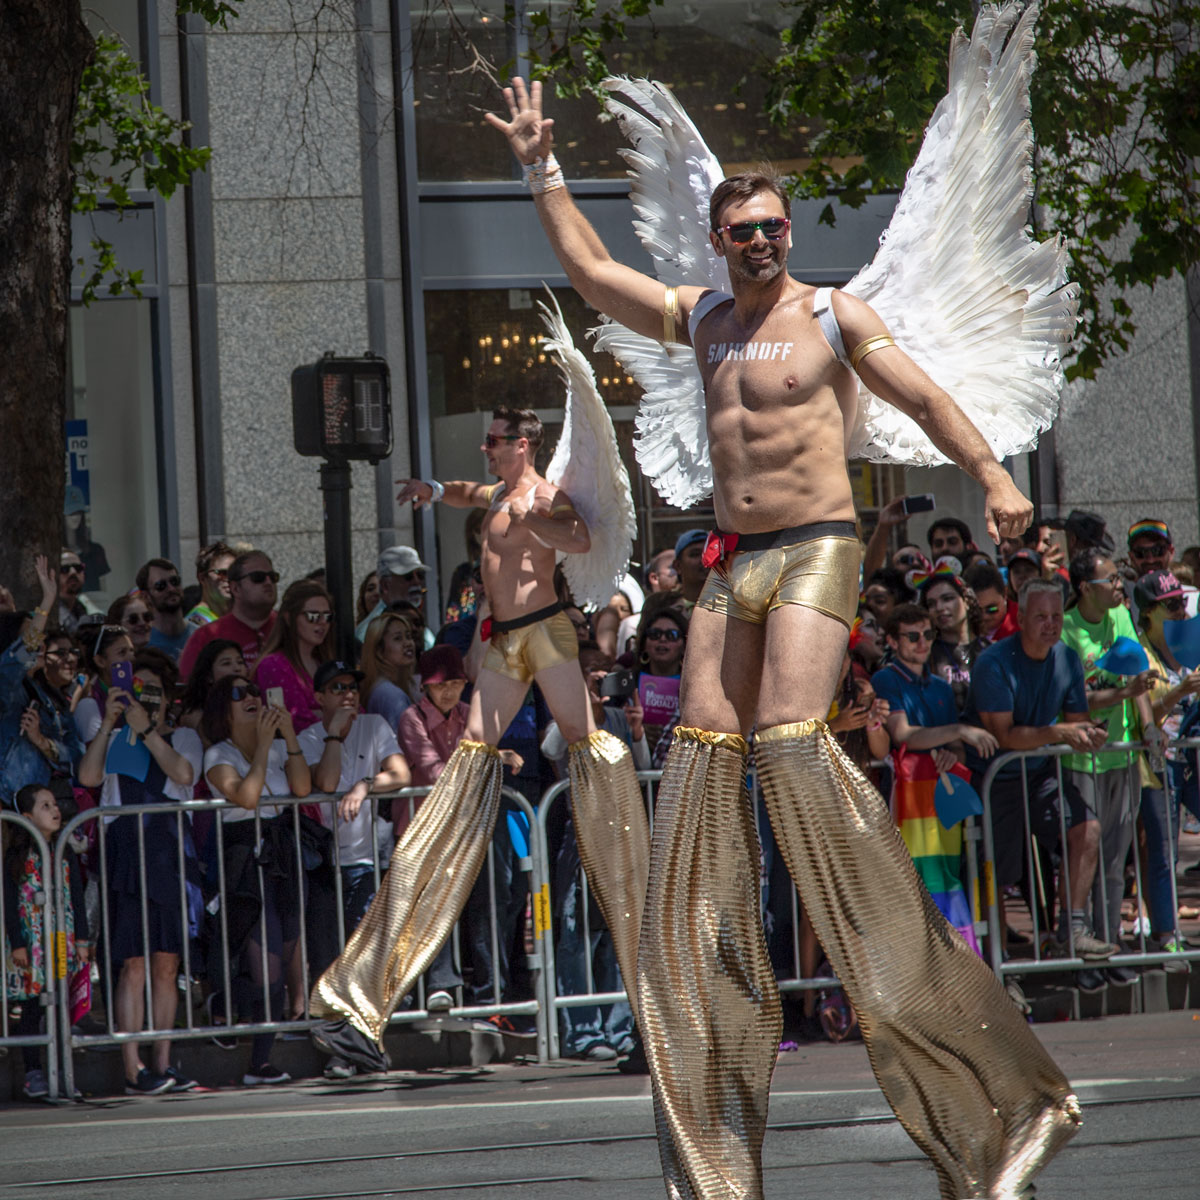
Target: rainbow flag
[936,851]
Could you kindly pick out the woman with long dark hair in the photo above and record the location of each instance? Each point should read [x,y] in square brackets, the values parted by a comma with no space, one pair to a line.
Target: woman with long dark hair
[219,659]
[660,646]
[958,624]
[299,643]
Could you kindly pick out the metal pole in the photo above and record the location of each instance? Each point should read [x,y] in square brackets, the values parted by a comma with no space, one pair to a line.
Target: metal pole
[335,489]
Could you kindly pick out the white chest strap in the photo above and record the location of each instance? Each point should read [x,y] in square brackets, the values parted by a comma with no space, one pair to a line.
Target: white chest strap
[823,311]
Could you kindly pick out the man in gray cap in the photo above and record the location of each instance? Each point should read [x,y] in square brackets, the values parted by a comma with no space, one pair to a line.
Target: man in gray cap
[401,576]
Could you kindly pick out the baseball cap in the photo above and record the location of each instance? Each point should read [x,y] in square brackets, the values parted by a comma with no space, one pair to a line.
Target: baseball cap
[1149,527]
[1088,528]
[441,664]
[1155,587]
[73,500]
[690,538]
[399,560]
[327,672]
[1025,555]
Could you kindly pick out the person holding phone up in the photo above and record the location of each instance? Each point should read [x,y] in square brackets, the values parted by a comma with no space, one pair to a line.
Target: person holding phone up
[38,740]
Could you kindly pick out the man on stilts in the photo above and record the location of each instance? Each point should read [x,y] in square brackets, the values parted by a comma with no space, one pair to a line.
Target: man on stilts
[528,638]
[777,362]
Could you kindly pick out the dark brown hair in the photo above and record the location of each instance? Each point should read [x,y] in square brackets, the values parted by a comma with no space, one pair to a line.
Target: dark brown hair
[906,614]
[739,188]
[283,632]
[523,422]
[209,555]
[142,578]
[215,723]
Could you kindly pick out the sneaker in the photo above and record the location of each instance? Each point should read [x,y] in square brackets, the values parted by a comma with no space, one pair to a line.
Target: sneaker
[1121,976]
[36,1087]
[341,1039]
[1174,945]
[439,1001]
[339,1068]
[1017,995]
[1090,981]
[636,1063]
[179,1081]
[1089,947]
[148,1084]
[599,1052]
[265,1074]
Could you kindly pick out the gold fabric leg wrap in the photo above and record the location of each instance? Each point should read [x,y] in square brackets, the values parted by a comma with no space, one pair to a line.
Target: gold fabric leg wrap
[964,1073]
[710,1012]
[614,840]
[433,869]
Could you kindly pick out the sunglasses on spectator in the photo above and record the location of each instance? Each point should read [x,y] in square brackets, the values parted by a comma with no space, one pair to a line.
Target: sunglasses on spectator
[70,652]
[492,440]
[991,609]
[219,572]
[1175,604]
[915,636]
[662,635]
[161,585]
[314,618]
[340,686]
[138,619]
[240,691]
[72,568]
[1138,552]
[1114,579]
[116,631]
[259,576]
[773,228]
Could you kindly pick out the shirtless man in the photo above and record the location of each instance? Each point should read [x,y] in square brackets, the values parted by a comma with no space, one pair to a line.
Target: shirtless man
[766,641]
[528,637]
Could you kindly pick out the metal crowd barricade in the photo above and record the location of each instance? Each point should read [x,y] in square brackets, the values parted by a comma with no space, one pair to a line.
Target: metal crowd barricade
[217,907]
[54,960]
[1048,953]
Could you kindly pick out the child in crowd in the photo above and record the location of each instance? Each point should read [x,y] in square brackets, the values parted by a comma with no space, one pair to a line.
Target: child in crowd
[26,956]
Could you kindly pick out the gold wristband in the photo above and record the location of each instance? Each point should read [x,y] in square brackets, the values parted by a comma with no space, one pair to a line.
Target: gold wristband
[878,342]
[670,313]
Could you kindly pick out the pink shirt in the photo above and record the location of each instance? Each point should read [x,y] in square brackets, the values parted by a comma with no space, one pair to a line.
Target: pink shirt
[298,696]
[250,640]
[428,739]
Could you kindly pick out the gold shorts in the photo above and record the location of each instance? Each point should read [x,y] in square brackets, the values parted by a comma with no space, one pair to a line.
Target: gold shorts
[522,653]
[822,573]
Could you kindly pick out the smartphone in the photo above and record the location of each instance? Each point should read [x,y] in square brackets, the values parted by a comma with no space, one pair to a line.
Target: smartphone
[120,675]
[151,700]
[618,685]
[275,697]
[915,504]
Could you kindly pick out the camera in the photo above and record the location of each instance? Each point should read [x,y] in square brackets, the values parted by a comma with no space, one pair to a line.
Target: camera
[618,684]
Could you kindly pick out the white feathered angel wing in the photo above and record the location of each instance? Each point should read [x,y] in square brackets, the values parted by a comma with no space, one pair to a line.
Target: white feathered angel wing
[959,281]
[588,467]
[672,175]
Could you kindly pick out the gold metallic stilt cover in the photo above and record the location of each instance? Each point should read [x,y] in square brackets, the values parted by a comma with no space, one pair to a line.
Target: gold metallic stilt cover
[965,1075]
[433,869]
[614,840]
[710,1012]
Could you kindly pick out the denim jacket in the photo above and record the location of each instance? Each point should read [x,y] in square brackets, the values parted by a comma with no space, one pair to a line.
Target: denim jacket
[20,761]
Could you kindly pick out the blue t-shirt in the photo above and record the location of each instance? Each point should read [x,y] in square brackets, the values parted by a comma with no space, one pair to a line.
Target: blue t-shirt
[1006,679]
[927,700]
[171,645]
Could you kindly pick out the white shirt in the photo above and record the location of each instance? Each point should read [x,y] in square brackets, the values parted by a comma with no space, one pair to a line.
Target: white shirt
[369,742]
[183,741]
[276,777]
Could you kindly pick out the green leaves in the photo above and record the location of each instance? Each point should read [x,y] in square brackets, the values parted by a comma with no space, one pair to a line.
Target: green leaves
[123,143]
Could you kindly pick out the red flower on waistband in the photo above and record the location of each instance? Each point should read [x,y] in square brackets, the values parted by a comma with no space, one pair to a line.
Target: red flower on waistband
[717,547]
[485,630]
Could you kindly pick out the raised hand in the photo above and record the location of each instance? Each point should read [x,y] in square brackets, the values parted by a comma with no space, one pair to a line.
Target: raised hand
[416,490]
[528,132]
[47,578]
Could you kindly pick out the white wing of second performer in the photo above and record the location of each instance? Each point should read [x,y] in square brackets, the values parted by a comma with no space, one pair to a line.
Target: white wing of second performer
[962,286]
[588,467]
[672,175]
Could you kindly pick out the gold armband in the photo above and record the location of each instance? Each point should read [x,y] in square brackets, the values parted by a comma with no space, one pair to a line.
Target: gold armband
[670,313]
[878,342]
[562,508]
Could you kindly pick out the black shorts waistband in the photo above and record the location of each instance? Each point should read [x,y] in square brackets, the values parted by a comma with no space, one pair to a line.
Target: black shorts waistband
[773,539]
[532,618]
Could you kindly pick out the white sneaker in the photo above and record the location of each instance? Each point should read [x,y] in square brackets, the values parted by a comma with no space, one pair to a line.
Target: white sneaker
[439,1001]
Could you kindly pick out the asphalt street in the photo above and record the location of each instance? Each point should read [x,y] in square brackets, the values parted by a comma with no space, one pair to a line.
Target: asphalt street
[545,1132]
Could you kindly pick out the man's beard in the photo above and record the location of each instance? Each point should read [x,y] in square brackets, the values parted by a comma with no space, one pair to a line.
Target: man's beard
[169,604]
[739,268]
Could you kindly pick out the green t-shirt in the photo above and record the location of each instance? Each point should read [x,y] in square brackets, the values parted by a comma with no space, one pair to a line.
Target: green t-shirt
[1091,642]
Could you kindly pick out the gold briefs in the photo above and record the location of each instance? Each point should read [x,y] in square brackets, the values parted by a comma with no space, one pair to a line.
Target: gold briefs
[822,573]
[521,653]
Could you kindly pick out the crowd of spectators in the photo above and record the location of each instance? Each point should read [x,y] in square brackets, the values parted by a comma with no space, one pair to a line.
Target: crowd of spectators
[224,690]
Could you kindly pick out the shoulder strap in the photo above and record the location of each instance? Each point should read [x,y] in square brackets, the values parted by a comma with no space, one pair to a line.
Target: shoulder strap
[704,306]
[823,311]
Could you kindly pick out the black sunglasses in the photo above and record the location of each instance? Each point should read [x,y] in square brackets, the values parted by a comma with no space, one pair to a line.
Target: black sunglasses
[259,576]
[161,585]
[138,619]
[240,691]
[663,635]
[339,686]
[1138,552]
[73,568]
[1175,604]
[912,635]
[773,228]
